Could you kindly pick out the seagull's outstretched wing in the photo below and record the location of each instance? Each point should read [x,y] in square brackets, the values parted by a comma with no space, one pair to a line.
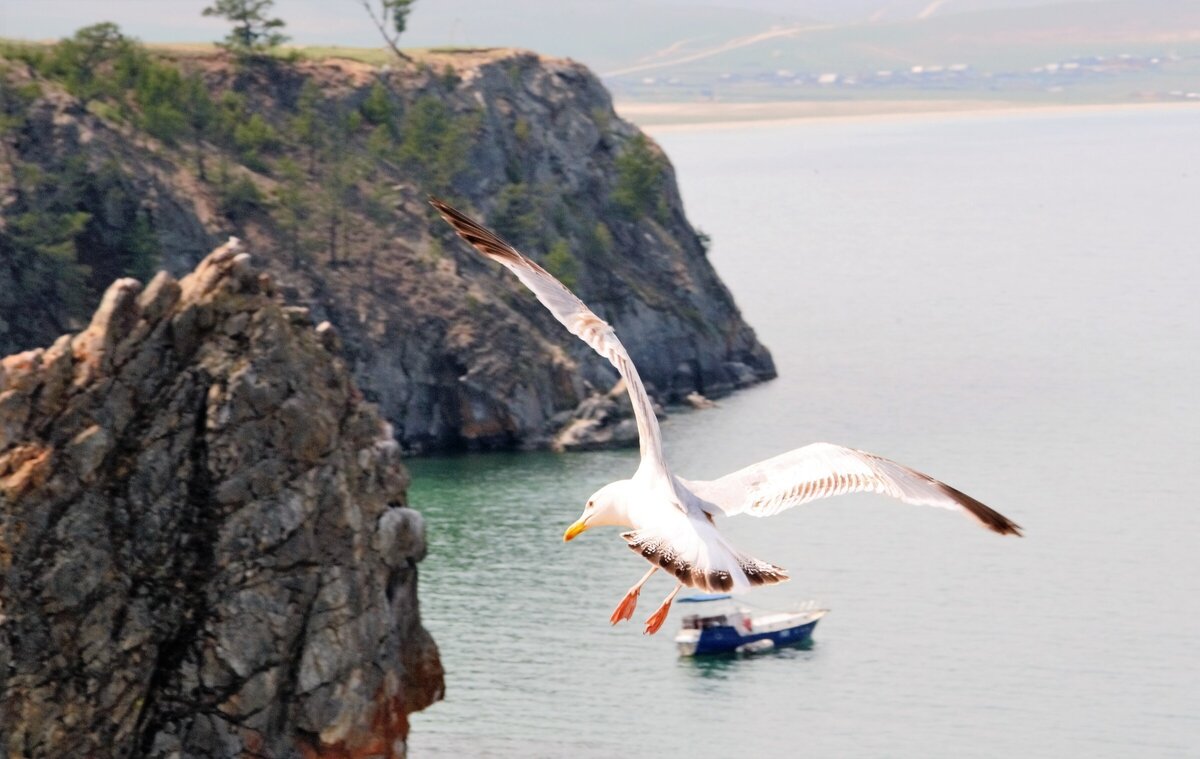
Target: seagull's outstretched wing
[573,314]
[821,470]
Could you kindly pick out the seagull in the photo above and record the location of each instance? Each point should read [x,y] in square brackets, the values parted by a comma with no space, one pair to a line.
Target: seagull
[670,519]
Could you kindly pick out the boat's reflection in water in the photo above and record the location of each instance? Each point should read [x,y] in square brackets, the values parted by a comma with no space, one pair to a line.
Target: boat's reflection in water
[726,665]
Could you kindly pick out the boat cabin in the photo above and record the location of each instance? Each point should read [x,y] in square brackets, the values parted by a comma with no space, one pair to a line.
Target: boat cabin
[714,613]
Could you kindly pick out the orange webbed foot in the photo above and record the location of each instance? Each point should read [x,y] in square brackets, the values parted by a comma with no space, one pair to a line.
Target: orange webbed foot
[625,609]
[655,622]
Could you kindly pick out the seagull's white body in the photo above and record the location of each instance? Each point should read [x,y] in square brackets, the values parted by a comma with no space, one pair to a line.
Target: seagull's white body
[672,518]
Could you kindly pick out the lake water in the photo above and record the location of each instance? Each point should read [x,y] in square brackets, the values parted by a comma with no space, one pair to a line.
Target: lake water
[1009,302]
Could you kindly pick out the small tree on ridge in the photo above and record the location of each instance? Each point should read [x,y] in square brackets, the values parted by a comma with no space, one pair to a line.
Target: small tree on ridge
[393,16]
[253,33]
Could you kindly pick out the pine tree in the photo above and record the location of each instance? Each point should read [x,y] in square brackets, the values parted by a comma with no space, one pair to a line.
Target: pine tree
[201,116]
[341,174]
[80,60]
[292,209]
[70,229]
[309,125]
[253,33]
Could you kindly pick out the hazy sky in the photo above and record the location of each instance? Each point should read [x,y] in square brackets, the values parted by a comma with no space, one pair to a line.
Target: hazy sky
[308,21]
[433,22]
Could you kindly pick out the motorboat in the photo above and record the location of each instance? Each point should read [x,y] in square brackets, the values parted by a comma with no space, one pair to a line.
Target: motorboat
[721,624]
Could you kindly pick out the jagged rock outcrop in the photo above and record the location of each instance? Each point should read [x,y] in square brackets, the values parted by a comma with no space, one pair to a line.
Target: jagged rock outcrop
[602,420]
[204,545]
[455,352]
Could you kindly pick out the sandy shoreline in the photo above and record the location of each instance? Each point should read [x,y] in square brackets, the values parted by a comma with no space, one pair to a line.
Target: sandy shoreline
[681,117]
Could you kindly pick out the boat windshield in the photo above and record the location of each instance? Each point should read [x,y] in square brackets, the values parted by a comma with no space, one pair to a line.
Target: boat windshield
[698,622]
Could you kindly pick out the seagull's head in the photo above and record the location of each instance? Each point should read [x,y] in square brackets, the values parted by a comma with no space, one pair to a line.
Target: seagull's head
[606,508]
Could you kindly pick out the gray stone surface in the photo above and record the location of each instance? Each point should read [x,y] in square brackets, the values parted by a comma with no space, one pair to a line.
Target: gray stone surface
[204,545]
[602,420]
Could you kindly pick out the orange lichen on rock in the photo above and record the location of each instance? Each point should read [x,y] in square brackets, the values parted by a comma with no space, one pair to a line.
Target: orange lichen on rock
[386,737]
[18,371]
[24,467]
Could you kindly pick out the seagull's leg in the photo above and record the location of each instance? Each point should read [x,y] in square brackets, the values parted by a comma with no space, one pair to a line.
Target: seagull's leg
[625,609]
[657,618]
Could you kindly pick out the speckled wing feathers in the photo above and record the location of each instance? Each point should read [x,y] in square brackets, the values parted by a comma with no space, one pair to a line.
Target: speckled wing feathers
[703,561]
[822,470]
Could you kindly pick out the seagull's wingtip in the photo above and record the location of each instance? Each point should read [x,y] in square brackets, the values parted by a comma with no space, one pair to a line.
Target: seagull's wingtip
[452,215]
[1004,526]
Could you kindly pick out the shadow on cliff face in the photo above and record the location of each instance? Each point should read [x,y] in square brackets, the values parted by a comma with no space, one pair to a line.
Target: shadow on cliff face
[204,543]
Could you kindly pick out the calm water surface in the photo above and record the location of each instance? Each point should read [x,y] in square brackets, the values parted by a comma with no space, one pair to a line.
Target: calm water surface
[1010,303]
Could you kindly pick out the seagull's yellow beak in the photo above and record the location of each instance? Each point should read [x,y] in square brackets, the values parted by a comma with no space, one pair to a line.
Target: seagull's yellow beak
[572,531]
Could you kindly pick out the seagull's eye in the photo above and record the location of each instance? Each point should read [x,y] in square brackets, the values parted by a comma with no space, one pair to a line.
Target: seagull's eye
[591,504]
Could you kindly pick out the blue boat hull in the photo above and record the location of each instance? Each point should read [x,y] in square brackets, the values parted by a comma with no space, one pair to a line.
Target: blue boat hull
[726,639]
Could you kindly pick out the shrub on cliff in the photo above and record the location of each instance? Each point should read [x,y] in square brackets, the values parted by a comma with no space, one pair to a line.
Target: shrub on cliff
[640,174]
[70,230]
[253,138]
[377,108]
[159,91]
[238,197]
[121,81]
[562,264]
[518,214]
[435,143]
[86,62]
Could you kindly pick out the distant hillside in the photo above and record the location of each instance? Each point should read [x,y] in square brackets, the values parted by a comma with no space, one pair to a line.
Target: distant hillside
[116,161]
[602,35]
[1109,50]
[856,11]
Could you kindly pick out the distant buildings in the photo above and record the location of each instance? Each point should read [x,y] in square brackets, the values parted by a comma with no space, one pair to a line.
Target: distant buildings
[1062,76]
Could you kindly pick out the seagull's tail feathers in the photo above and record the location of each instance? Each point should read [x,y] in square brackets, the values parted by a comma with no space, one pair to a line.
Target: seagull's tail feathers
[760,572]
[705,562]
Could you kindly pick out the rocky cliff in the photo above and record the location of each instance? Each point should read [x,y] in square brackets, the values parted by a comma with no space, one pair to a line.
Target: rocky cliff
[204,543]
[455,353]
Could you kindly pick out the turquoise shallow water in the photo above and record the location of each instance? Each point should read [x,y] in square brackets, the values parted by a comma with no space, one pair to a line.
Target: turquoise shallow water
[1007,302]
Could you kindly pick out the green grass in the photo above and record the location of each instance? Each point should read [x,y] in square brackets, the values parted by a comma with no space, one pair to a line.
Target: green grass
[375,56]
